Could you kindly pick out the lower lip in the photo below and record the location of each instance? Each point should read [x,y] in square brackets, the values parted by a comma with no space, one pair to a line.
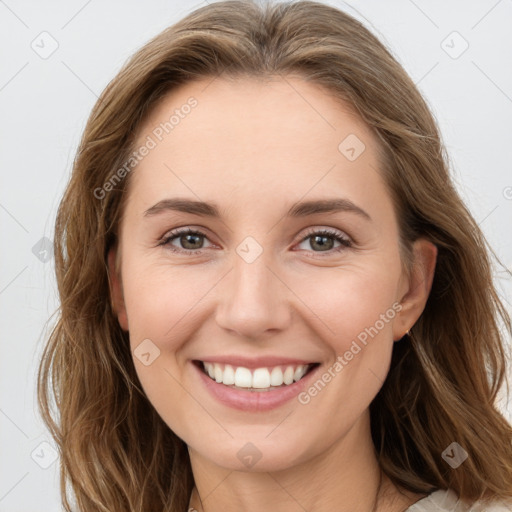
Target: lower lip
[254,401]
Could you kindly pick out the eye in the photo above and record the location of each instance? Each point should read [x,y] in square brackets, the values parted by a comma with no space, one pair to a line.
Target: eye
[324,241]
[189,239]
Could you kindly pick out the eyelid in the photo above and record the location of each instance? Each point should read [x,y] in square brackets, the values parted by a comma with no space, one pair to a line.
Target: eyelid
[346,242]
[334,232]
[180,231]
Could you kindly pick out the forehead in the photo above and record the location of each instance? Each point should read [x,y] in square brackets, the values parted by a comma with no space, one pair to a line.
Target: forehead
[251,109]
[281,136]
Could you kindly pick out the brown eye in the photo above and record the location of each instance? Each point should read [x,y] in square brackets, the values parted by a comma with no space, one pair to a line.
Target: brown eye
[189,240]
[324,240]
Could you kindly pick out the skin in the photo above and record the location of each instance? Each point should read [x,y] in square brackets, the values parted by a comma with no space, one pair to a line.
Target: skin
[255,147]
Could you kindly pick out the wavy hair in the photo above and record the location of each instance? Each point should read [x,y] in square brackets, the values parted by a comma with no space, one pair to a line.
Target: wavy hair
[117,454]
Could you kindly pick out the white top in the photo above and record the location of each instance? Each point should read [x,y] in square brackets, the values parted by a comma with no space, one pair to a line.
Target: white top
[447,501]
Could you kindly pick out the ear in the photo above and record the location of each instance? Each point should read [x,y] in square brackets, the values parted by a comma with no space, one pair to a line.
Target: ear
[416,288]
[116,289]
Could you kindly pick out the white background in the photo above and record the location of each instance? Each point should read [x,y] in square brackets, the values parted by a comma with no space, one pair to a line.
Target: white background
[44,106]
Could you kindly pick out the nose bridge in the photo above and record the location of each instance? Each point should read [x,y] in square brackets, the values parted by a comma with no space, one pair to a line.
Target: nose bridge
[253,298]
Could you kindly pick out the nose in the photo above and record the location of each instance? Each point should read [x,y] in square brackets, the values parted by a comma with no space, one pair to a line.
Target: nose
[253,300]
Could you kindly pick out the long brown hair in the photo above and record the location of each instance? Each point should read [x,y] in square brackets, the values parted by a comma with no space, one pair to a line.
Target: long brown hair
[117,454]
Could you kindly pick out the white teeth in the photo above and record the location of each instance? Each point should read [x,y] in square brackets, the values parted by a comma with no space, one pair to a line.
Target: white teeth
[258,379]
[288,375]
[261,378]
[276,377]
[243,377]
[299,372]
[229,375]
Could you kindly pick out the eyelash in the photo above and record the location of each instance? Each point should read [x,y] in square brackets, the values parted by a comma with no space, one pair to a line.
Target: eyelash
[345,242]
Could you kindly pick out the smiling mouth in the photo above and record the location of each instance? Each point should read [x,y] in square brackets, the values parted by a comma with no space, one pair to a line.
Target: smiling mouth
[258,379]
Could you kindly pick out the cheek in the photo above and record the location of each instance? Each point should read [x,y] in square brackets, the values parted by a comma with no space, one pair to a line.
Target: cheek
[171,305]
[350,300]
[167,303]
[159,300]
[357,309]
[160,307]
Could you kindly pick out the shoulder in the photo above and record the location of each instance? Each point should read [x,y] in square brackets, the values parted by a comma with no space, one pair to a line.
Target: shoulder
[445,500]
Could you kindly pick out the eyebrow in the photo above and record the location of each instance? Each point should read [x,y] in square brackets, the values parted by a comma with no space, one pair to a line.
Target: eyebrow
[302,209]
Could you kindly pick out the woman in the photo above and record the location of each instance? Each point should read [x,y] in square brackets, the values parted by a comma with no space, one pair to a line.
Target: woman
[272,295]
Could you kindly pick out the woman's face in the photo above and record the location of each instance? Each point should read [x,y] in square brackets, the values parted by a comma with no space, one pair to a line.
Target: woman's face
[258,292]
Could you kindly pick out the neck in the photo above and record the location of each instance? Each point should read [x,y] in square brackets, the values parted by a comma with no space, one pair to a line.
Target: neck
[345,478]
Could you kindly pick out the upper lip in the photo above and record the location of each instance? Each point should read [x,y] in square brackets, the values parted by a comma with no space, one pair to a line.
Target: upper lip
[256,362]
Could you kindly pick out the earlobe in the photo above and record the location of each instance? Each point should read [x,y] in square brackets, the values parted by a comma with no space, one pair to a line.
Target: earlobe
[116,290]
[418,286]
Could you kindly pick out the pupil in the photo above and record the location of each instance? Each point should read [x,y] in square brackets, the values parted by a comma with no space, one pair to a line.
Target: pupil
[323,246]
[320,240]
[186,238]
